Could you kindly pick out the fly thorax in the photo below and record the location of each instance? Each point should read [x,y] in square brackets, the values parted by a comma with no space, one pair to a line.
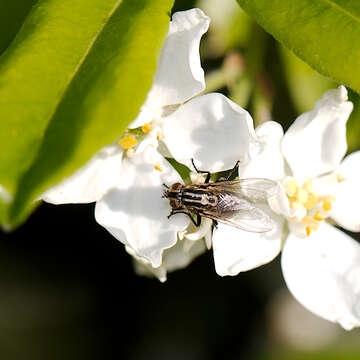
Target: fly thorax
[309,206]
[174,194]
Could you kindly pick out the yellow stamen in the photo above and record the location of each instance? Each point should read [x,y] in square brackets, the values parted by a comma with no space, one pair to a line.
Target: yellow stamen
[157,167]
[317,217]
[311,201]
[307,220]
[308,185]
[294,203]
[146,128]
[308,230]
[302,195]
[159,136]
[329,198]
[340,178]
[127,142]
[291,186]
[327,205]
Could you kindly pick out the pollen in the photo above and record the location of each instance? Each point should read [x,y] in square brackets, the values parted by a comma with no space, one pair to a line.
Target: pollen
[291,186]
[311,201]
[308,185]
[327,205]
[146,128]
[340,178]
[317,217]
[127,142]
[307,220]
[301,195]
[310,207]
[294,203]
[308,230]
[159,136]
[157,167]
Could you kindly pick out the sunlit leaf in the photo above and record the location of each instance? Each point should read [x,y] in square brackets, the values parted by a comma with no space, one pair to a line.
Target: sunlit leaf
[323,33]
[72,80]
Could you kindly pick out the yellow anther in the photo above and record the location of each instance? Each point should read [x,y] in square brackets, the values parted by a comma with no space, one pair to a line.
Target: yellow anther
[308,230]
[307,220]
[311,201]
[127,142]
[317,217]
[290,186]
[294,203]
[308,185]
[330,198]
[159,136]
[301,195]
[157,167]
[327,205]
[340,178]
[327,200]
[146,128]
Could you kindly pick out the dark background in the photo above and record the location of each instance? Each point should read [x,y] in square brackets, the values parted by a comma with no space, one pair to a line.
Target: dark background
[68,291]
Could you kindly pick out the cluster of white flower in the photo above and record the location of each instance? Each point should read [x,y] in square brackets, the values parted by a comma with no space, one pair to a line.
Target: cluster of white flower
[321,264]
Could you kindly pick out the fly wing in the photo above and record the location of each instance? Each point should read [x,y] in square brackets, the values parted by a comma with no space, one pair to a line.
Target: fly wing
[254,189]
[245,217]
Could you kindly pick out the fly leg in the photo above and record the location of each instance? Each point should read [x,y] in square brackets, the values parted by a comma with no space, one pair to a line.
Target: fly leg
[198,217]
[230,173]
[215,224]
[233,170]
[208,174]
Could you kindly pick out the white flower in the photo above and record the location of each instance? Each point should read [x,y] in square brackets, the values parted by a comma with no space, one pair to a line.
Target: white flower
[126,181]
[321,264]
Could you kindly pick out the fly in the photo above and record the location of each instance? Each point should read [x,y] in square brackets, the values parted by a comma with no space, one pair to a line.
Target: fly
[232,202]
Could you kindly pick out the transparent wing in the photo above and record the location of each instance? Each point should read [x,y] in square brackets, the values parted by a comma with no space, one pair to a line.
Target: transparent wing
[254,189]
[245,217]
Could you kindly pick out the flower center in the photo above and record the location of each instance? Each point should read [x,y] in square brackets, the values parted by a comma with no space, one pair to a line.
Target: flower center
[309,207]
[132,137]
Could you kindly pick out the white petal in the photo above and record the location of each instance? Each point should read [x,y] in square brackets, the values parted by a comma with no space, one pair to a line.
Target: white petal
[201,231]
[237,250]
[323,273]
[134,211]
[279,203]
[179,75]
[212,130]
[90,182]
[316,142]
[268,162]
[346,209]
[145,115]
[175,258]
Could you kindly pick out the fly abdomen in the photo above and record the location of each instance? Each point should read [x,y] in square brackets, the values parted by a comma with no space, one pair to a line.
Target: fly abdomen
[194,198]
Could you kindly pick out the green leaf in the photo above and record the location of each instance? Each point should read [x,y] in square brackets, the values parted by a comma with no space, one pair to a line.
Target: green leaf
[70,83]
[12,15]
[323,33]
[353,124]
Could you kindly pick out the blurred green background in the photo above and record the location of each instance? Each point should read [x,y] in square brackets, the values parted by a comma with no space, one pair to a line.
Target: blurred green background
[68,290]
